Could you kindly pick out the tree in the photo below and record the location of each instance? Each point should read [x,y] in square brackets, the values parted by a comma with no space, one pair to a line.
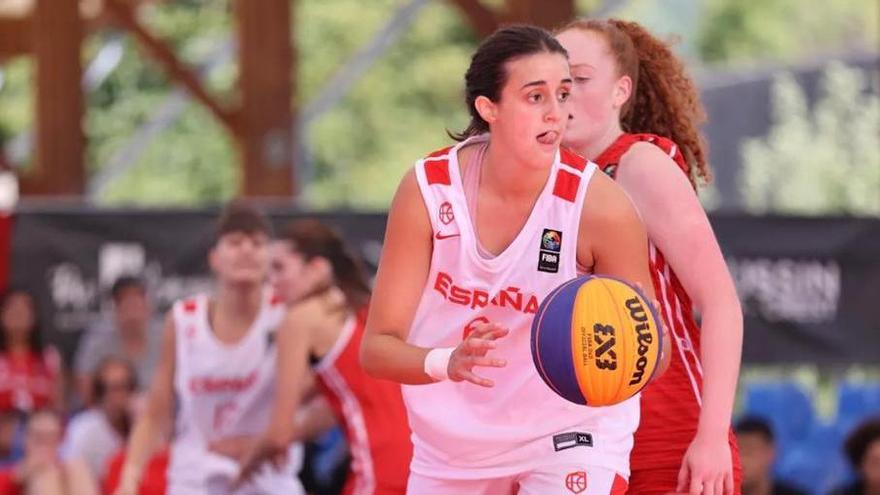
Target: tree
[823,161]
[734,31]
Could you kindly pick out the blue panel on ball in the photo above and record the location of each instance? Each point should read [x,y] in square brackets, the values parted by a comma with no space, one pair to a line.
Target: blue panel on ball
[551,341]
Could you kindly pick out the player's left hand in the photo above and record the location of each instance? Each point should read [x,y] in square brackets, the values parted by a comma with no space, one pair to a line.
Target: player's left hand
[707,467]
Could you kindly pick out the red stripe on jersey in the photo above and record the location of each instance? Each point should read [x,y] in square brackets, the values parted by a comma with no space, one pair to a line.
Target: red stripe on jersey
[189,305]
[566,186]
[439,153]
[437,172]
[572,159]
[609,159]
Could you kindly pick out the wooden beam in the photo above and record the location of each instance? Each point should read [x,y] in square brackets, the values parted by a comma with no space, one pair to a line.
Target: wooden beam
[124,14]
[15,36]
[547,14]
[483,20]
[266,61]
[59,167]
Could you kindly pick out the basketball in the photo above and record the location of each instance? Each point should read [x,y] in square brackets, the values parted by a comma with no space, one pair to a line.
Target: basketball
[596,341]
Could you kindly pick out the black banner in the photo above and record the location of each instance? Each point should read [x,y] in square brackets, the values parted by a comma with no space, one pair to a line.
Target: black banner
[810,287]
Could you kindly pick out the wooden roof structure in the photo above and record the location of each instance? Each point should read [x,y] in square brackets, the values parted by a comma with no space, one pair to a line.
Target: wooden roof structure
[259,119]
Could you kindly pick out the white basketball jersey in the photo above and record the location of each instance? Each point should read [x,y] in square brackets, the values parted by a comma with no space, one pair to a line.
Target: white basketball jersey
[462,430]
[223,390]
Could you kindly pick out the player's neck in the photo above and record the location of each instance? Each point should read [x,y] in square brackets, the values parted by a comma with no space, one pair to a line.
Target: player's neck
[592,150]
[234,309]
[509,177]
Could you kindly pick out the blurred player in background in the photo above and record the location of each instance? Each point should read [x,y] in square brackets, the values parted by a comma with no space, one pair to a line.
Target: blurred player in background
[218,362]
[316,273]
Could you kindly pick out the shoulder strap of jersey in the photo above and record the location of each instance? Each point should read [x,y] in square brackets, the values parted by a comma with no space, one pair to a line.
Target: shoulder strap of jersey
[609,160]
[434,177]
[189,315]
[569,176]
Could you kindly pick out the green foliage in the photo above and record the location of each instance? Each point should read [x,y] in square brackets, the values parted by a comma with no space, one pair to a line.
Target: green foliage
[823,161]
[194,160]
[735,31]
[398,111]
[394,115]
[16,98]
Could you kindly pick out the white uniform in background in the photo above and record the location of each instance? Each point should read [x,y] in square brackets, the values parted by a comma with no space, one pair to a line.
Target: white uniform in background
[224,390]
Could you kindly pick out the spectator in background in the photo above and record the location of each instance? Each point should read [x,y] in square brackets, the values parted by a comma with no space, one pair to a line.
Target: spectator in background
[97,434]
[757,451]
[862,448]
[10,438]
[30,371]
[130,333]
[42,471]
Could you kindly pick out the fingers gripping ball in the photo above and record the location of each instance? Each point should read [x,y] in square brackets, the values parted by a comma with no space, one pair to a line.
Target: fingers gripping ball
[596,341]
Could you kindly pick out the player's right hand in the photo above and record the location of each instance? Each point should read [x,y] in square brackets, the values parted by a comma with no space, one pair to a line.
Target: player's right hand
[473,351]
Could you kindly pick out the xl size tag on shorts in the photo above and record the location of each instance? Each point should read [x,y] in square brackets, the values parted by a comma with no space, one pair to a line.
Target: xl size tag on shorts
[570,440]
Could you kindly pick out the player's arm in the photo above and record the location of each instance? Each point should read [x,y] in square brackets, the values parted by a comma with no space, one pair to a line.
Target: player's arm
[613,240]
[679,227]
[293,341]
[152,424]
[403,272]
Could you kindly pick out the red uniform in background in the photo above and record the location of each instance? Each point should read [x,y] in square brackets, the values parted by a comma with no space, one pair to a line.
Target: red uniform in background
[671,404]
[29,381]
[372,414]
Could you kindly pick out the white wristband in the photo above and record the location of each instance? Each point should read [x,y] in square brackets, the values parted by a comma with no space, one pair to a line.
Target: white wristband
[437,363]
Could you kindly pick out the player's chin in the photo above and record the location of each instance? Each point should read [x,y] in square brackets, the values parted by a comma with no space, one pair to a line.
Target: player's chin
[247,276]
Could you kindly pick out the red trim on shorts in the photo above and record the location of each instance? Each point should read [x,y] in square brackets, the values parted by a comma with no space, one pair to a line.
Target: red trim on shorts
[620,485]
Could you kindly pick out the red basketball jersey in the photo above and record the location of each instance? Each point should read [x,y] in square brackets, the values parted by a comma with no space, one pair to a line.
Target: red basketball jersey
[671,404]
[372,413]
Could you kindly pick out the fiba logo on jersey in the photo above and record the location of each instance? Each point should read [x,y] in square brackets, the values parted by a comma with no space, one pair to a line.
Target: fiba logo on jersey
[551,240]
[446,215]
[548,254]
[576,482]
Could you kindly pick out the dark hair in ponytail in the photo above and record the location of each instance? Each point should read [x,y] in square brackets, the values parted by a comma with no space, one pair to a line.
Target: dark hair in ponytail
[311,239]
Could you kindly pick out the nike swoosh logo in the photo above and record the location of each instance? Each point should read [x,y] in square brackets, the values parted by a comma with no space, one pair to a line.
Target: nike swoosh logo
[440,236]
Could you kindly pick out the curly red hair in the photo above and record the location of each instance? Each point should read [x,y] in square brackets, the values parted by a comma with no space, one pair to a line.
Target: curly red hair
[665,100]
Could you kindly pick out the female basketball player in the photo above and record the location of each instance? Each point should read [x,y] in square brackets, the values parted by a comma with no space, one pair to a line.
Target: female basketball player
[218,362]
[316,273]
[635,113]
[466,261]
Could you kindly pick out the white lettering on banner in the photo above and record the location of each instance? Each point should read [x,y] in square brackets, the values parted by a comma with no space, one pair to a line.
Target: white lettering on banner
[77,295]
[69,288]
[799,291]
[116,259]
